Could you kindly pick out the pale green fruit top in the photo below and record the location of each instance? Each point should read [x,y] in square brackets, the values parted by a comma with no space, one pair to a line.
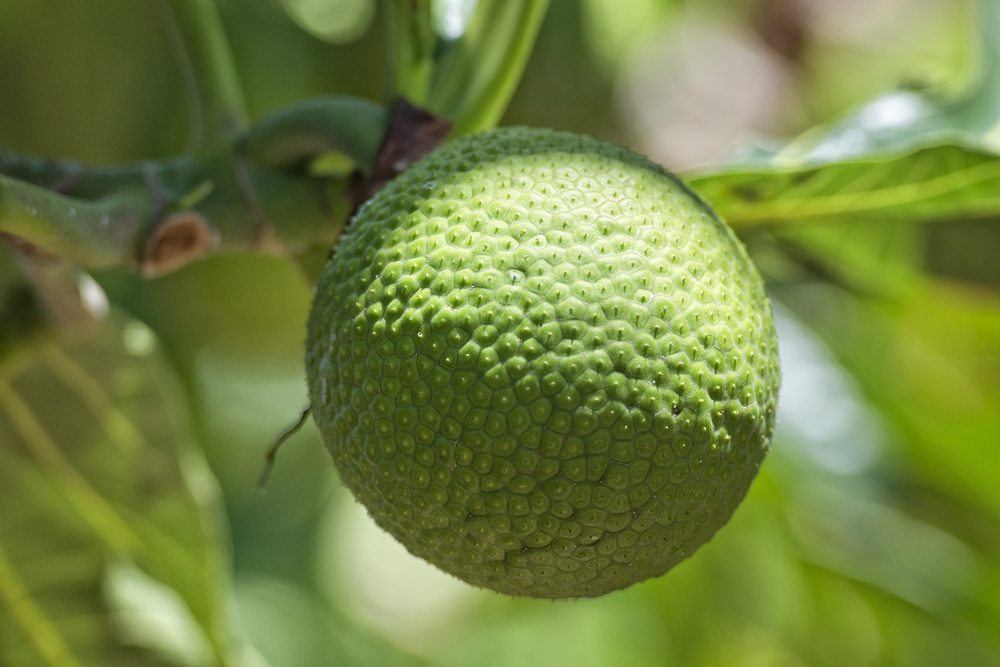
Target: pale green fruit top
[543,364]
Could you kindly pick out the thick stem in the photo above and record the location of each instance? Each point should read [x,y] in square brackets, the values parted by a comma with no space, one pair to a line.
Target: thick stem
[476,79]
[289,138]
[412,42]
[219,109]
[84,181]
[159,215]
[93,234]
[286,138]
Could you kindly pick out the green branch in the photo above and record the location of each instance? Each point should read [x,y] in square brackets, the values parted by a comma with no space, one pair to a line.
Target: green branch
[80,180]
[93,234]
[347,125]
[245,188]
[216,95]
[157,216]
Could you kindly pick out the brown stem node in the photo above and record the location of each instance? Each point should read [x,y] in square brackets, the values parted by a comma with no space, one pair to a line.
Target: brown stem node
[176,241]
[412,133]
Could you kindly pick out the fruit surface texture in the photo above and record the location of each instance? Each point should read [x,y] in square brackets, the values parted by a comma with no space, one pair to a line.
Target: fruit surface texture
[543,364]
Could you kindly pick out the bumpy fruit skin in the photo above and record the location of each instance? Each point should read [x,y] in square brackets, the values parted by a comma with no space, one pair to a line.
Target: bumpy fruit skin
[543,364]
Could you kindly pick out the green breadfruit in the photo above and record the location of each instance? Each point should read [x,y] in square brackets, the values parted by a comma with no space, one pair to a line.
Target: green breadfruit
[543,364]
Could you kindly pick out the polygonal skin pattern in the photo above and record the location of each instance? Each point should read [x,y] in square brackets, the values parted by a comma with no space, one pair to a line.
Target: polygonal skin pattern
[543,364]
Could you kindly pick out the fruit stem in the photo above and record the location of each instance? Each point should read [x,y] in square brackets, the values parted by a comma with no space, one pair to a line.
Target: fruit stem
[272,452]
[294,136]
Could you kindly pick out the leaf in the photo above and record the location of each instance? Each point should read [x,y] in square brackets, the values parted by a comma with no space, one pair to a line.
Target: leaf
[909,542]
[849,546]
[904,156]
[293,626]
[930,363]
[98,467]
[928,184]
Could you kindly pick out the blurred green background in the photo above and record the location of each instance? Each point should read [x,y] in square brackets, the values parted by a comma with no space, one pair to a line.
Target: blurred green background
[872,535]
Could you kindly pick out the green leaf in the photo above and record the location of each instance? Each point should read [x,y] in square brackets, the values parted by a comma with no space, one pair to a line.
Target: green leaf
[904,156]
[929,363]
[928,184]
[99,468]
[291,625]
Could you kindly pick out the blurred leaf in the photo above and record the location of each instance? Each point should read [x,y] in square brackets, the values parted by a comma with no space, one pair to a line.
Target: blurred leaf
[615,28]
[17,300]
[584,634]
[869,541]
[335,21]
[927,184]
[98,466]
[931,363]
[292,626]
[908,547]
[904,156]
[876,261]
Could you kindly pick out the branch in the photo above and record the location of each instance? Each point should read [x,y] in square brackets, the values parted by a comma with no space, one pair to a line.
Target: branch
[157,216]
[94,234]
[288,138]
[349,125]
[216,95]
[77,179]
